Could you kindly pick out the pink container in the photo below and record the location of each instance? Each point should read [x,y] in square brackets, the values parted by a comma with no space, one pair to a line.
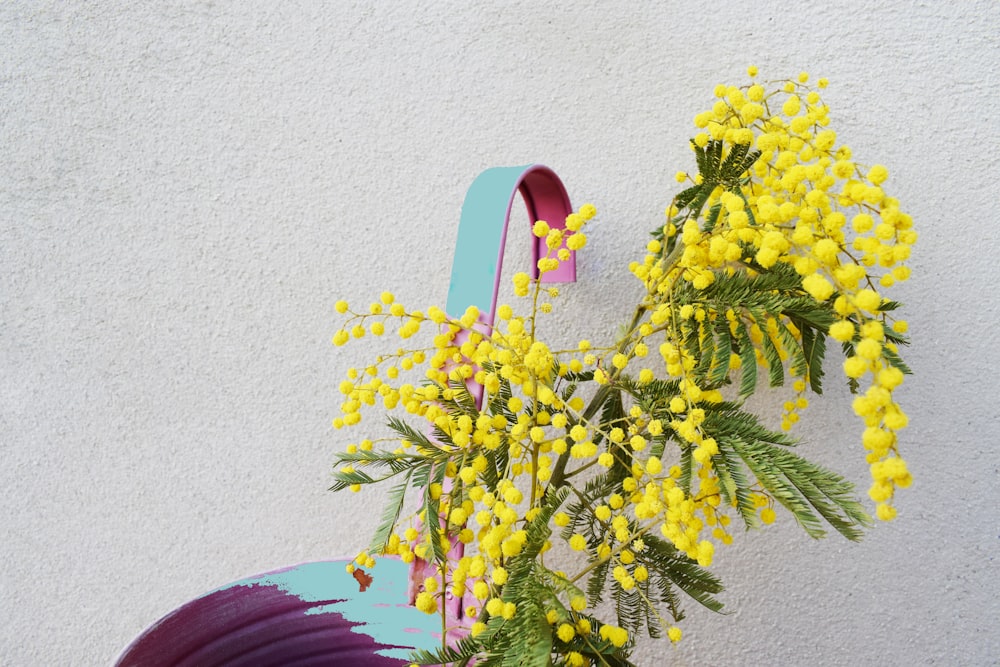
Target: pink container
[317,613]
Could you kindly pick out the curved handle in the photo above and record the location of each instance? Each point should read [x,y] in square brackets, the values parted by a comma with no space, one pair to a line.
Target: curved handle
[482,232]
[475,279]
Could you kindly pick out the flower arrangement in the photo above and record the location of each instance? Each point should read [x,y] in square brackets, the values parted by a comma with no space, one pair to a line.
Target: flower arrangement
[637,453]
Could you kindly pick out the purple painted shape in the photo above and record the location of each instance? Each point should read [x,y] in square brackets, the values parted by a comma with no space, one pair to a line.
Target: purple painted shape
[256,625]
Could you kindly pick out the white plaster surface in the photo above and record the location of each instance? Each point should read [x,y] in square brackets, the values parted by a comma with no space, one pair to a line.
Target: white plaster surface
[186,187]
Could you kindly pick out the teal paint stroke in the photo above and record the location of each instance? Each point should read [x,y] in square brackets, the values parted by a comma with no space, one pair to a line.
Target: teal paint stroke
[480,238]
[381,610]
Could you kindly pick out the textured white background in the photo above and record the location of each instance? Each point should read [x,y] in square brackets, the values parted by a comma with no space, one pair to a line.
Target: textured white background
[187,187]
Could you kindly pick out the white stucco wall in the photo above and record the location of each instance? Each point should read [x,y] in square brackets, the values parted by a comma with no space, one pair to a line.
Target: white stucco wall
[187,187]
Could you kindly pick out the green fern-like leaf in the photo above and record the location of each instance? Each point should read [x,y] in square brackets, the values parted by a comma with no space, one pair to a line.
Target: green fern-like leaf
[723,350]
[813,350]
[464,650]
[673,568]
[532,635]
[805,489]
[407,432]
[734,484]
[390,516]
[748,363]
[630,608]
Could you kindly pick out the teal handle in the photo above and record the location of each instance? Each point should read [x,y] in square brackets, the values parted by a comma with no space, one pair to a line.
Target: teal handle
[482,233]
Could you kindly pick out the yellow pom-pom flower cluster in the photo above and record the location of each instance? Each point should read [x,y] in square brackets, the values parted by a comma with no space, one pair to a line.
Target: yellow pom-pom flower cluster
[780,241]
[806,203]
